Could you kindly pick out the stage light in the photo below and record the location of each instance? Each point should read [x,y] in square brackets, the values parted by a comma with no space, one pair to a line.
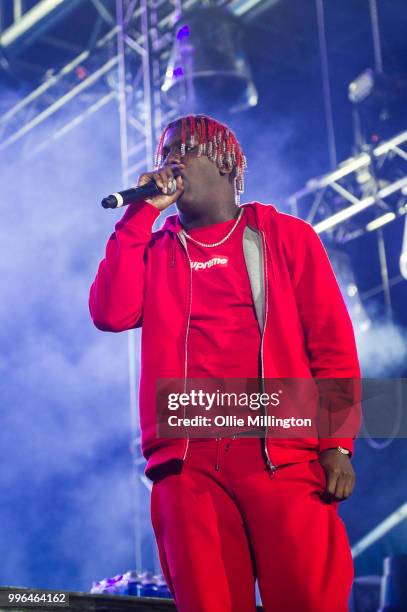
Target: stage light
[208,70]
[379,109]
[361,87]
[380,221]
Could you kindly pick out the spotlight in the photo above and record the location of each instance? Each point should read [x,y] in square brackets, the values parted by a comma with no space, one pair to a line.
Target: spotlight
[361,87]
[208,70]
[379,109]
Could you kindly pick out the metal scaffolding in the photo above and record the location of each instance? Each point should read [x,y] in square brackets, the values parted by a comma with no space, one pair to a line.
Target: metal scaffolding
[127,65]
[362,194]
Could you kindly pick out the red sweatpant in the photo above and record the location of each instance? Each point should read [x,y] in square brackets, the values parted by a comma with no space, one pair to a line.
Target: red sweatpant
[219,530]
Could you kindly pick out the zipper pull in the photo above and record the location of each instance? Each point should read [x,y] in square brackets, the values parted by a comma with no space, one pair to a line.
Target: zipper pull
[270,466]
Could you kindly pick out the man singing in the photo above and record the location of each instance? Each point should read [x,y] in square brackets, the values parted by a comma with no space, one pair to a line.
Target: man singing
[242,292]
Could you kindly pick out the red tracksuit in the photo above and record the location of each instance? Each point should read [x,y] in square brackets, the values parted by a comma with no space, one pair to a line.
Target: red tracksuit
[221,522]
[219,530]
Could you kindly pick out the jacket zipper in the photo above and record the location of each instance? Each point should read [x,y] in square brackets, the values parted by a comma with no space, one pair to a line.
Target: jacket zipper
[270,465]
[186,354]
[186,340]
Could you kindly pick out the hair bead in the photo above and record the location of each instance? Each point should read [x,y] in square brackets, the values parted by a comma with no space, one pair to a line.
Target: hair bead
[215,140]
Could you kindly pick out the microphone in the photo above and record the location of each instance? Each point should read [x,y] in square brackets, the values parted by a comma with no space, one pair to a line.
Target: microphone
[135,194]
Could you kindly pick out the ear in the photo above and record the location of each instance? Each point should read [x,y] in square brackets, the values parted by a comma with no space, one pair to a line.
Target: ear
[230,173]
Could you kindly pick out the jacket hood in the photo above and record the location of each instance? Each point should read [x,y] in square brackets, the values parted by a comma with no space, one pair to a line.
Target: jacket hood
[257,215]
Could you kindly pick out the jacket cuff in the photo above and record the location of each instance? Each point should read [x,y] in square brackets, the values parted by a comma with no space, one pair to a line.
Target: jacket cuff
[140,214]
[325,443]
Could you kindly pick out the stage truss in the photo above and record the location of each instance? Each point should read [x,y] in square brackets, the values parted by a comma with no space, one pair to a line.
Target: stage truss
[126,67]
[362,194]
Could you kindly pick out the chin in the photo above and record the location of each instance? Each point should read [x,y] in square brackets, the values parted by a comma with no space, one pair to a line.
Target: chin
[184,204]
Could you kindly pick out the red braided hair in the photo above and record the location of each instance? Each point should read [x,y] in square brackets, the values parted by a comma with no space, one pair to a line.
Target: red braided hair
[215,140]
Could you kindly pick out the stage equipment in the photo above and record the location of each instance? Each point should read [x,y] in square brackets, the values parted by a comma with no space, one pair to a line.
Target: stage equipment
[208,69]
[378,98]
[135,53]
[378,107]
[343,207]
[368,554]
[393,595]
[29,21]
[124,68]
[139,584]
[365,594]
[329,200]
[385,527]
[369,189]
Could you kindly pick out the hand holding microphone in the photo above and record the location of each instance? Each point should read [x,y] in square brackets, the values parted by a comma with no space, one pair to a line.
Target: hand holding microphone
[160,188]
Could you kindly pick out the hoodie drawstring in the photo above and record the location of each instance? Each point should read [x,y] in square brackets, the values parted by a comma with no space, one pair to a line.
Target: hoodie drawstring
[217,455]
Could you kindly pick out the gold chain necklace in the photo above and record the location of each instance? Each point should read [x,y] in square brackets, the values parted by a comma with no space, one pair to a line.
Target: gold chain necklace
[215,244]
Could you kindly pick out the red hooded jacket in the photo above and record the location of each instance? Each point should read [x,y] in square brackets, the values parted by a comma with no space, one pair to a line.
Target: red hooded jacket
[145,281]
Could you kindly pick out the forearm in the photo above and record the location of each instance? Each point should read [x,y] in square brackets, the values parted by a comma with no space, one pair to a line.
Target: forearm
[116,295]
